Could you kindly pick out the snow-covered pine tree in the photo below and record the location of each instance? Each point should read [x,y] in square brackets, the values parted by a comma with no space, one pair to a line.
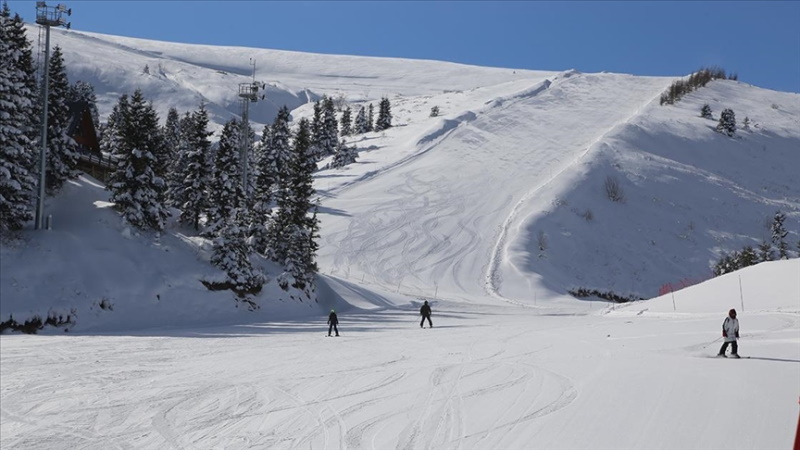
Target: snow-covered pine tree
[173,139]
[727,122]
[384,121]
[765,252]
[136,189]
[26,70]
[300,265]
[779,234]
[259,211]
[329,135]
[194,199]
[176,195]
[225,190]
[61,149]
[272,164]
[111,131]
[344,155]
[747,257]
[360,125]
[82,91]
[295,231]
[17,149]
[232,254]
[346,122]
[370,118]
[317,127]
[705,112]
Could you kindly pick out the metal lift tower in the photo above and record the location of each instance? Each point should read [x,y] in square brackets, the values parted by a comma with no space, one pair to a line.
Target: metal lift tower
[46,16]
[249,93]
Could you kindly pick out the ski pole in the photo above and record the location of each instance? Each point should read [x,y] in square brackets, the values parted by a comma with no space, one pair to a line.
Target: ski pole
[715,340]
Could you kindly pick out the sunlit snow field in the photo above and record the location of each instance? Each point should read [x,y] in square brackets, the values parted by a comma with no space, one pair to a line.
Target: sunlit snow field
[483,212]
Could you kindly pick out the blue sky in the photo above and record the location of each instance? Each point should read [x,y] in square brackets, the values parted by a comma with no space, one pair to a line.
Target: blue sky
[758,40]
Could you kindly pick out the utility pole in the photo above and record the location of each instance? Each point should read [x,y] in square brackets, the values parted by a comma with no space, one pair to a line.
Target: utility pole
[46,16]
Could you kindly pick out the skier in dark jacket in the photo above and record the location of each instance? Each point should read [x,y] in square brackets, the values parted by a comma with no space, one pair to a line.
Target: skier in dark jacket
[425,312]
[333,321]
[730,331]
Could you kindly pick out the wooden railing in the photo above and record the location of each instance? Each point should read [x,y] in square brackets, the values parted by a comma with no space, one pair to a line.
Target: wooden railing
[98,166]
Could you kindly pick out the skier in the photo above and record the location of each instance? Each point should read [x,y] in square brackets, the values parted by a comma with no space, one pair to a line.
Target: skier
[425,312]
[730,331]
[333,321]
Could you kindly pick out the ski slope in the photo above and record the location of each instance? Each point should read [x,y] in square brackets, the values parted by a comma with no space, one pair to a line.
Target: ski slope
[454,209]
[486,376]
[436,218]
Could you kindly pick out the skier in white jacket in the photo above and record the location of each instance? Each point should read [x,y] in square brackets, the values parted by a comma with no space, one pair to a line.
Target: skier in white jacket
[730,331]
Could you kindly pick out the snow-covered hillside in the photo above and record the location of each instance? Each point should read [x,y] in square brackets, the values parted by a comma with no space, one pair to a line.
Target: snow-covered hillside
[492,211]
[183,75]
[501,195]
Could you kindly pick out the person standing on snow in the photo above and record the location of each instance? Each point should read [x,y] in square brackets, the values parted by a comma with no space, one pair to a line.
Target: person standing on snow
[730,331]
[333,321]
[425,312]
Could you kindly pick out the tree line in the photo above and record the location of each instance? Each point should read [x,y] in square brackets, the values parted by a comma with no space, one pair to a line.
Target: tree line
[175,169]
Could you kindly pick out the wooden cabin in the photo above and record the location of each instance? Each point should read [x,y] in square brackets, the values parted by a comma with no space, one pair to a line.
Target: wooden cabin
[81,129]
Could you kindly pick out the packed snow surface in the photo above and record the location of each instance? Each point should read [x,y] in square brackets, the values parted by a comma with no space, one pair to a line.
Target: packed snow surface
[487,375]
[491,211]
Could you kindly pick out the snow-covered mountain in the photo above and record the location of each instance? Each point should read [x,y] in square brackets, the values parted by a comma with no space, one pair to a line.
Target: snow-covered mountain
[491,211]
[503,194]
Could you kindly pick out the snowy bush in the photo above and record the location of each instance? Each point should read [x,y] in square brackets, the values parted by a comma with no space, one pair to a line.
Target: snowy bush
[35,323]
[727,122]
[605,295]
[614,191]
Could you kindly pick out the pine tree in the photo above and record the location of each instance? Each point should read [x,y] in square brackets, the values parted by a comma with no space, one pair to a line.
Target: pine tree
[317,128]
[360,125]
[370,118]
[779,234]
[765,252]
[176,194]
[173,143]
[136,190]
[347,122]
[293,232]
[384,121]
[273,161]
[61,149]
[82,91]
[17,149]
[329,135]
[748,257]
[110,133]
[259,213]
[232,254]
[225,189]
[195,197]
[727,122]
[706,112]
[26,79]
[344,155]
